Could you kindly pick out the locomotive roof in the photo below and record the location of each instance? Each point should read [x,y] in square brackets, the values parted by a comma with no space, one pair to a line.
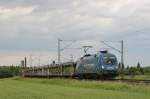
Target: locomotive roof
[88,56]
[108,54]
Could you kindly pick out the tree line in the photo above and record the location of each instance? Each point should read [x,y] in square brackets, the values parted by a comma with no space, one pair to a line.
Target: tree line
[136,70]
[9,71]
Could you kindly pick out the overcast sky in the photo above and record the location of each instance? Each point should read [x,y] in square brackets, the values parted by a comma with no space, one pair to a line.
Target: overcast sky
[33,27]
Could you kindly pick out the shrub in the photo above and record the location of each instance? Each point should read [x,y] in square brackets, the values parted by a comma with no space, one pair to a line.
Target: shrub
[9,71]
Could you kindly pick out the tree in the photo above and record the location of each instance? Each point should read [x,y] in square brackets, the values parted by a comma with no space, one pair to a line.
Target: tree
[119,65]
[138,65]
[9,71]
[139,68]
[128,67]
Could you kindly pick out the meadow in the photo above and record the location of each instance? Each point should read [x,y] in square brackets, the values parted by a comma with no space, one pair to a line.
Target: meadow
[27,88]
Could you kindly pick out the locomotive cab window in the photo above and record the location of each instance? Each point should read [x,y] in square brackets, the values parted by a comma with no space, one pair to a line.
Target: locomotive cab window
[110,60]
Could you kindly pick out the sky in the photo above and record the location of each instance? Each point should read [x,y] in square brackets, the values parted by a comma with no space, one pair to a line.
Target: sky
[32,27]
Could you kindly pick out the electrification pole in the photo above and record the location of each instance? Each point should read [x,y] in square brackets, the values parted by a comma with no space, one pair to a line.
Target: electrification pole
[62,49]
[59,60]
[30,60]
[122,54]
[39,60]
[25,62]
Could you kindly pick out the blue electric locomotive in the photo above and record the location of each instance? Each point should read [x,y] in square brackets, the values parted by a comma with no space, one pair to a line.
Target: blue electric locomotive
[103,64]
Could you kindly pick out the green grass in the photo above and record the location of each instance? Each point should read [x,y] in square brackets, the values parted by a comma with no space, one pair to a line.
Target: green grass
[19,88]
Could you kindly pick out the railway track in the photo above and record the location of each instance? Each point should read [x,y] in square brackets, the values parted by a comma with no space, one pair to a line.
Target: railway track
[130,81]
[135,81]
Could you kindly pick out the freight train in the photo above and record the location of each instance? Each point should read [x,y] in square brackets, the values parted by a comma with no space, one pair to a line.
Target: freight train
[102,64]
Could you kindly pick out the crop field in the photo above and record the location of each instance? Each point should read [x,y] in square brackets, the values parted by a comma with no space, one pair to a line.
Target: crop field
[20,88]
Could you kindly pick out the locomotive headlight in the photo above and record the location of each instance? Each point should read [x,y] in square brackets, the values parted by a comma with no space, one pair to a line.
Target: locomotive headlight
[116,67]
[103,67]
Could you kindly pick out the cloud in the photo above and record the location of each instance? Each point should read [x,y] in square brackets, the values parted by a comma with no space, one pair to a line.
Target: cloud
[17,11]
[27,25]
[14,57]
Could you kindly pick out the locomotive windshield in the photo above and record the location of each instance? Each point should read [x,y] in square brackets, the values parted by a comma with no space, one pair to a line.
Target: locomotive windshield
[110,60]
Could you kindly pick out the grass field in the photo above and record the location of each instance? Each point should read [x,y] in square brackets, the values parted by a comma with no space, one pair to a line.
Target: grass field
[19,88]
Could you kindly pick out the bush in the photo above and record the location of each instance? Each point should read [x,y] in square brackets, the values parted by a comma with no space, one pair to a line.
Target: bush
[9,71]
[4,73]
[146,70]
[136,70]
